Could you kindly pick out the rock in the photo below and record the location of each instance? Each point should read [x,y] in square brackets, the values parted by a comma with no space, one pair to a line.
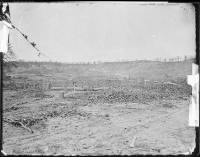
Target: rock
[133,142]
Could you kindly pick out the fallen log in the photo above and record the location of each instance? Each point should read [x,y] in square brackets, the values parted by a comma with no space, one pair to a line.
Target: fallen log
[16,122]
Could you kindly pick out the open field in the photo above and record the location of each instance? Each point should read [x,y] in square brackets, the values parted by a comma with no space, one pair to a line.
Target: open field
[111,109]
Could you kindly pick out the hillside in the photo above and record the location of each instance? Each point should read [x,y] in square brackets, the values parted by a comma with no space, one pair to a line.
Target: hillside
[135,69]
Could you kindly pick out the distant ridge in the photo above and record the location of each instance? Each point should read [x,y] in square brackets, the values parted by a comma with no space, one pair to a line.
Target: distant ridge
[123,70]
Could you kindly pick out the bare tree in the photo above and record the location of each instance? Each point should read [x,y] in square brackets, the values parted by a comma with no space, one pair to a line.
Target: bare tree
[185,58]
[178,58]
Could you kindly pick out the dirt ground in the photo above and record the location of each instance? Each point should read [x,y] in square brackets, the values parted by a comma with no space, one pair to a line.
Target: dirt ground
[79,125]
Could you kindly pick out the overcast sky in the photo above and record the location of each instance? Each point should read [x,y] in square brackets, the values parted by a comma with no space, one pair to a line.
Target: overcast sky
[106,31]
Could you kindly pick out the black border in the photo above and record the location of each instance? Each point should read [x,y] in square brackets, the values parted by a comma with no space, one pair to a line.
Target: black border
[196,5]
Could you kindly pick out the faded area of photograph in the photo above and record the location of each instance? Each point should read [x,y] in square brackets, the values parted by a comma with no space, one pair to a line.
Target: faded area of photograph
[98,78]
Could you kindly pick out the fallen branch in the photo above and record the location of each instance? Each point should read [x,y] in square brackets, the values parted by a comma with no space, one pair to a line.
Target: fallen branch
[15,122]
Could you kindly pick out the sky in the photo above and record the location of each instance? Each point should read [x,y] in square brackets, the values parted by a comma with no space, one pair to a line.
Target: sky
[103,31]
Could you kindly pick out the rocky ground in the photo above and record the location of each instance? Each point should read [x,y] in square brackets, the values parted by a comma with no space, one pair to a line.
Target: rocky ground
[141,121]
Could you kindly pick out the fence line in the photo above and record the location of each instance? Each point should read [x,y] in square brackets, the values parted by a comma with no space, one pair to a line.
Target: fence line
[47,84]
